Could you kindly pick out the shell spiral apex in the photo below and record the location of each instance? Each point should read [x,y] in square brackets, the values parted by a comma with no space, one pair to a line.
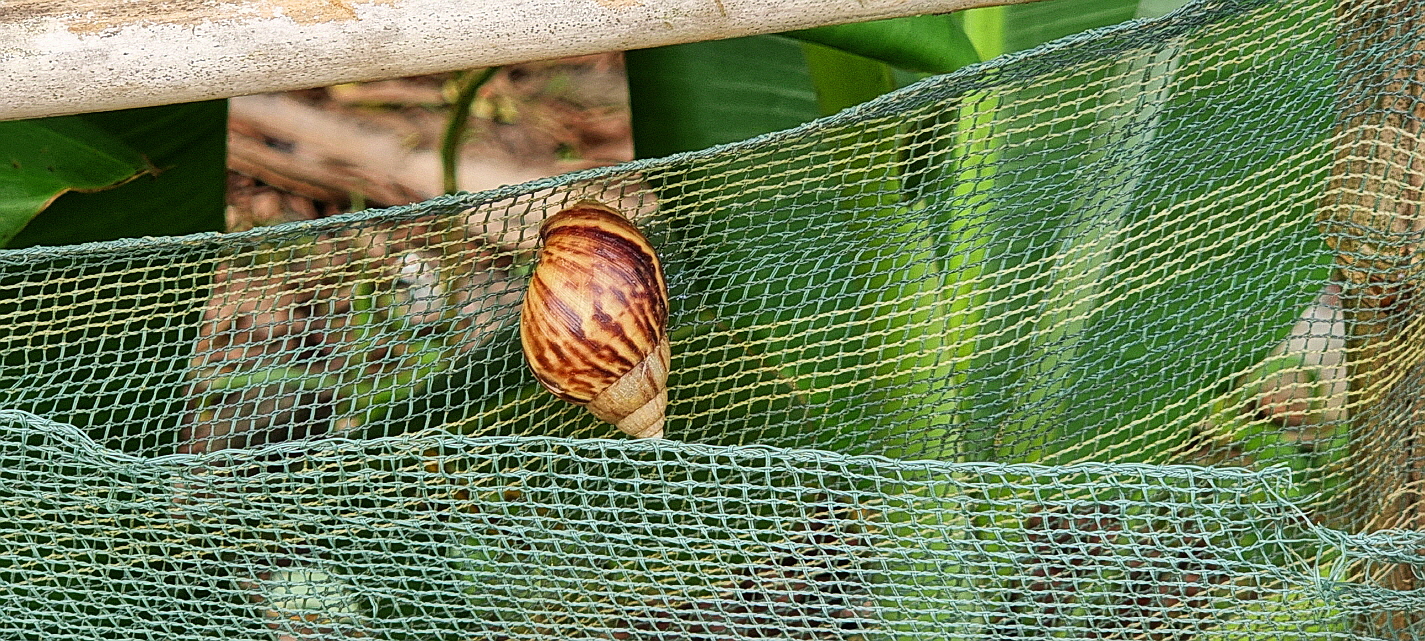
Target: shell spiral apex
[594,324]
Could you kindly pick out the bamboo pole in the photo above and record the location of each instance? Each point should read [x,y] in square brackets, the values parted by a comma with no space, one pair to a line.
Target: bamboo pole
[94,55]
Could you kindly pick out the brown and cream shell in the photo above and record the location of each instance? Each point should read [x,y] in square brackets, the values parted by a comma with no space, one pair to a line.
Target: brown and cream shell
[594,325]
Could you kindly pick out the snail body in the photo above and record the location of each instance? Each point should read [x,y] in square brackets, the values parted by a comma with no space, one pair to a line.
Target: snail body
[594,323]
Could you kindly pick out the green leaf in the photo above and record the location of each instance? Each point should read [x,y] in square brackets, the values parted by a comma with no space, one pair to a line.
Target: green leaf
[763,328]
[1150,260]
[44,158]
[692,96]
[119,334]
[844,80]
[186,143]
[1005,29]
[931,44]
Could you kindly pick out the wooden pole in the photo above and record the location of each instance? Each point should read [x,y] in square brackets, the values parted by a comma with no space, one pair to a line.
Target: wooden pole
[94,55]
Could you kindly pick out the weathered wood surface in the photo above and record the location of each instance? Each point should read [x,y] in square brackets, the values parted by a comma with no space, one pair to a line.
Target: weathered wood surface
[70,56]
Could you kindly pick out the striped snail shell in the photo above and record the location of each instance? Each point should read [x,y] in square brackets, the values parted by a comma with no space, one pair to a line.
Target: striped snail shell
[594,325]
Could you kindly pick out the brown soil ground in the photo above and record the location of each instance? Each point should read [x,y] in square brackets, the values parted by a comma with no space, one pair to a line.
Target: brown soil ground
[306,154]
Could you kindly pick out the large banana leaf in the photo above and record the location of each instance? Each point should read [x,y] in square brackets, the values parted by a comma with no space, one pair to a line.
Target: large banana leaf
[931,44]
[186,146]
[748,366]
[1144,274]
[117,338]
[691,96]
[42,159]
[1005,29]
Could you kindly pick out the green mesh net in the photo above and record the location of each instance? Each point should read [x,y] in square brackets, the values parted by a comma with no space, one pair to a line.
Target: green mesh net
[1114,339]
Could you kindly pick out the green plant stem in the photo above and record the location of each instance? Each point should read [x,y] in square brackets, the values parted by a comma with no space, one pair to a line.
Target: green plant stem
[470,83]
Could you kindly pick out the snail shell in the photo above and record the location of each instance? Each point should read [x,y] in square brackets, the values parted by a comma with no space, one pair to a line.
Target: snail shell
[594,325]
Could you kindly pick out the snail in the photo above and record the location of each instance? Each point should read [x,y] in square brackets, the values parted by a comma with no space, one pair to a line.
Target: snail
[594,324]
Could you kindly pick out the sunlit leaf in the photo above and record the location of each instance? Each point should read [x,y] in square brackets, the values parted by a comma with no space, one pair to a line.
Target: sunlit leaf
[932,44]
